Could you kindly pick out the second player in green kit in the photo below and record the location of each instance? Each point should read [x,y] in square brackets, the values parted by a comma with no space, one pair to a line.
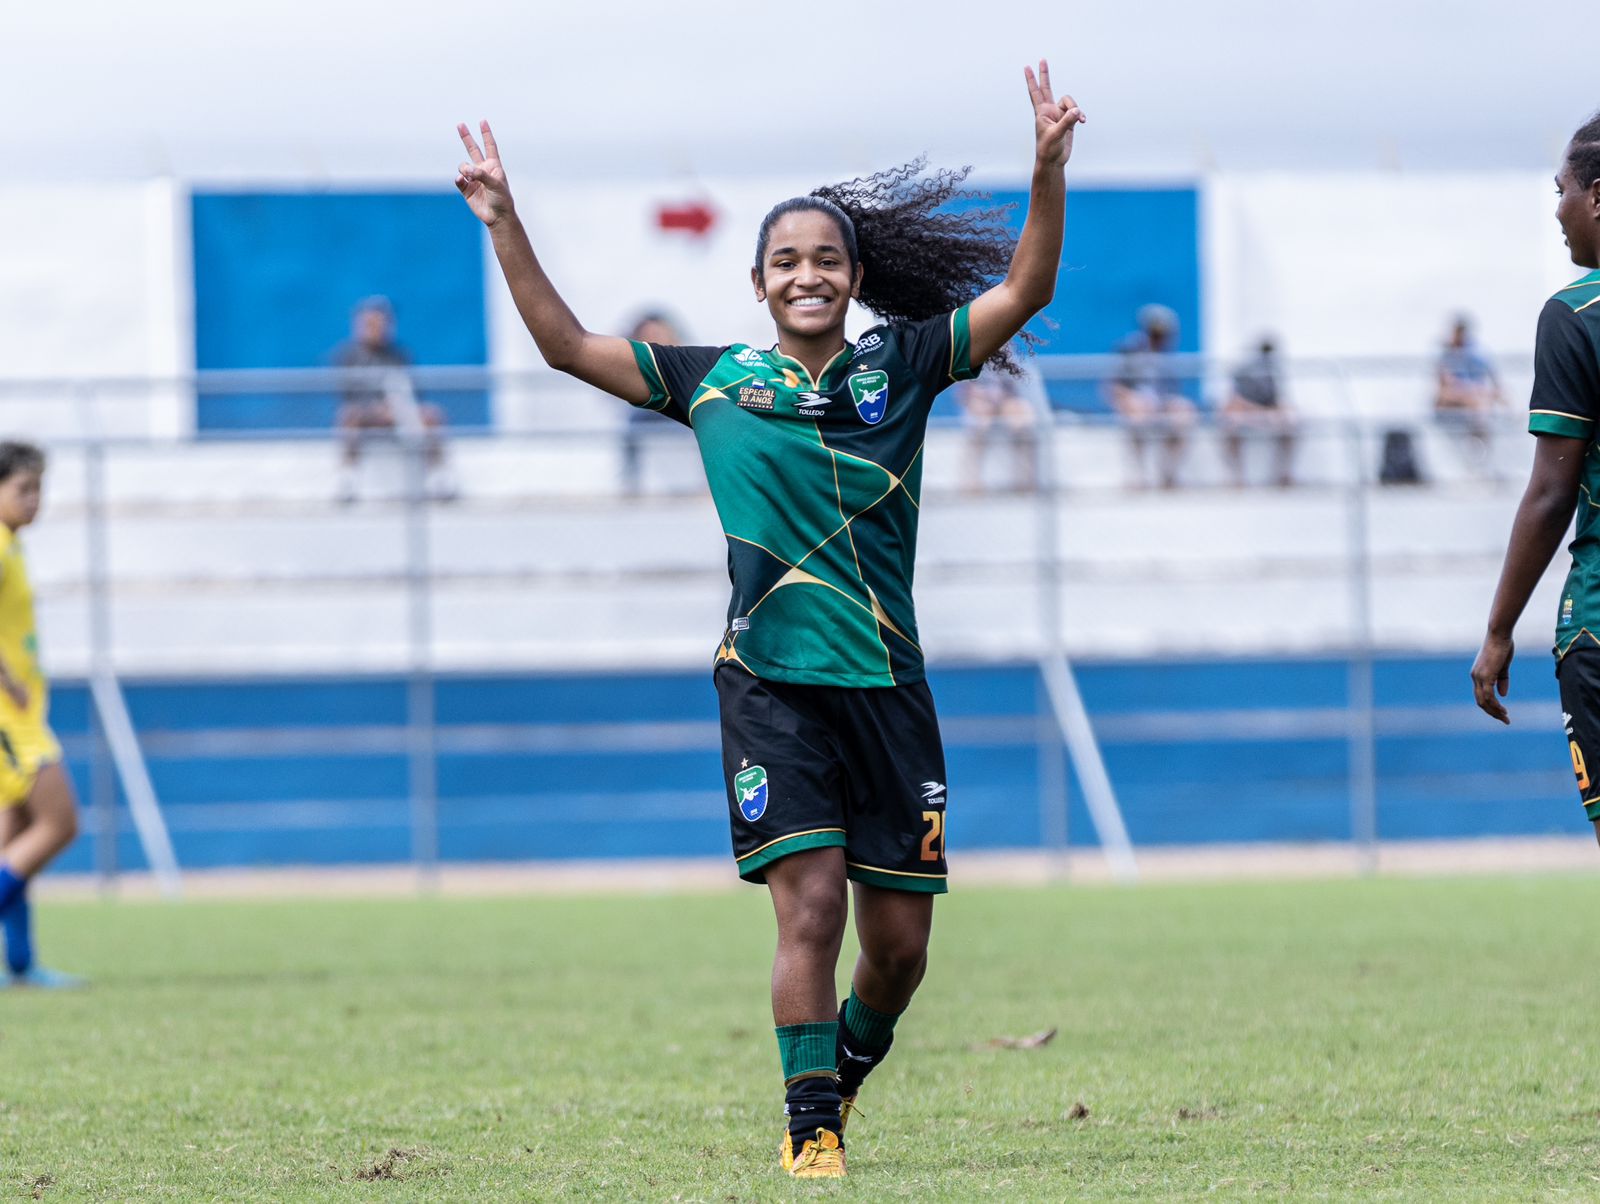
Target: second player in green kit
[1564,412]
[813,451]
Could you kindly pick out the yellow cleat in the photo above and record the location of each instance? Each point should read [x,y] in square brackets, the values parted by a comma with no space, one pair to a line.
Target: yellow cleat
[821,1158]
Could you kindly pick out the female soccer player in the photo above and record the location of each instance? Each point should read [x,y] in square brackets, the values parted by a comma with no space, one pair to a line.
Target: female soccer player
[38,812]
[1564,409]
[813,449]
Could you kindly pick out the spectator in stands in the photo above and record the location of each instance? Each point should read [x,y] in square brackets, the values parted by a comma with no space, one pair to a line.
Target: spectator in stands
[1147,397]
[378,399]
[1256,406]
[991,402]
[652,326]
[1467,394]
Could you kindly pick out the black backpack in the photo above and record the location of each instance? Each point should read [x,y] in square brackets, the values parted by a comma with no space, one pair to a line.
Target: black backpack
[1399,465]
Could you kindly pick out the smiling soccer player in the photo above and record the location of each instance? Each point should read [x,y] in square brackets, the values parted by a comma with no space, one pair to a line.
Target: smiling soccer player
[1564,411]
[813,451]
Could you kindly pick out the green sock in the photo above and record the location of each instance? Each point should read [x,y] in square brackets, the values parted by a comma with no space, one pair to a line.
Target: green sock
[873,1030]
[807,1049]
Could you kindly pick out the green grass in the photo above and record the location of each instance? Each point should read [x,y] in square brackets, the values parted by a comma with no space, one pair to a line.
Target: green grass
[1390,1040]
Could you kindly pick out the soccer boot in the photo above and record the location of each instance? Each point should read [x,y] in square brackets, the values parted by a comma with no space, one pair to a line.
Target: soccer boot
[41,978]
[822,1157]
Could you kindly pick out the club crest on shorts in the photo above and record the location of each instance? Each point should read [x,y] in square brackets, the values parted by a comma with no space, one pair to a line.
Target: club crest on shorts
[751,786]
[870,392]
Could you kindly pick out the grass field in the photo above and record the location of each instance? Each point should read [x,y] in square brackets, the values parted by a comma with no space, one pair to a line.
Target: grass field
[1393,1040]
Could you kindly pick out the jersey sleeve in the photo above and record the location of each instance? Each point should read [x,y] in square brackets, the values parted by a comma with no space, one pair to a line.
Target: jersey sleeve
[1566,376]
[673,374]
[938,350]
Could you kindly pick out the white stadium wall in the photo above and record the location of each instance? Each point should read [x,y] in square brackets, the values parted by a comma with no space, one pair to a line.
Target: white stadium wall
[94,285]
[1374,264]
[97,284]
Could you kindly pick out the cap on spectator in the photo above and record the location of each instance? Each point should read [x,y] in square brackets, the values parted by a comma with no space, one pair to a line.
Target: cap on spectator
[1157,317]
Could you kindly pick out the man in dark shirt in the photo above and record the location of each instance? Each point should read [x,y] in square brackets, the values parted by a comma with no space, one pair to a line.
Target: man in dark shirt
[1256,405]
[378,398]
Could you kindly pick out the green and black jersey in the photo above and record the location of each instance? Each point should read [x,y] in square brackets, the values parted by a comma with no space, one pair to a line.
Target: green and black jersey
[1566,401]
[817,483]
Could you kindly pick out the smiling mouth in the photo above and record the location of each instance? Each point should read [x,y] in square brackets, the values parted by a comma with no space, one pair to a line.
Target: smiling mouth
[809,302]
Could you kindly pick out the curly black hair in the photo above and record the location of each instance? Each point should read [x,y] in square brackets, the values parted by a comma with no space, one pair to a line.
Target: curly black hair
[17,457]
[918,258]
[1583,153]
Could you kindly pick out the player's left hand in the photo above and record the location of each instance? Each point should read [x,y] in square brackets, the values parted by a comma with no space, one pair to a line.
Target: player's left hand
[1053,119]
[1491,675]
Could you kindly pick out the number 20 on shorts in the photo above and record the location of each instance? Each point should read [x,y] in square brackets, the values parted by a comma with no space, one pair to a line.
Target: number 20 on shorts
[933,842]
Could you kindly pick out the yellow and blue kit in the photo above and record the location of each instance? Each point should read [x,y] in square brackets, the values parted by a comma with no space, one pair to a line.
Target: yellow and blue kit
[26,741]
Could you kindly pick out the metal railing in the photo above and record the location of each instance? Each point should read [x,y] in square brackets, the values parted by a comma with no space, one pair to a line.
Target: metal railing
[1343,409]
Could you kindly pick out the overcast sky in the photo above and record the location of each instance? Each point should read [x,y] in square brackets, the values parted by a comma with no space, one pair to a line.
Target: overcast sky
[329,89]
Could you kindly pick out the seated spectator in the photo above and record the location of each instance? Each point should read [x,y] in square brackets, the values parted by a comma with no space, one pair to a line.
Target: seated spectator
[1147,397]
[996,401]
[639,424]
[378,398]
[1467,394]
[1256,406]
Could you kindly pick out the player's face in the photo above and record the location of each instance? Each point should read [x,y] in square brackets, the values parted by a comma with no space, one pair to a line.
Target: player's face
[19,498]
[807,278]
[1579,215]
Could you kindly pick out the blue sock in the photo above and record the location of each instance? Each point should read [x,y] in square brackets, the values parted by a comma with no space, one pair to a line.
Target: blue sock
[17,921]
[11,887]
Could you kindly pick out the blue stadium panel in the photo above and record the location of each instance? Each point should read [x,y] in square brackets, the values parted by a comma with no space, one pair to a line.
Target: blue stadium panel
[1125,247]
[278,274]
[317,770]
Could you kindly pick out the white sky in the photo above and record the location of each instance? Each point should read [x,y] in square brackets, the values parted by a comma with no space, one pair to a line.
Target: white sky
[357,89]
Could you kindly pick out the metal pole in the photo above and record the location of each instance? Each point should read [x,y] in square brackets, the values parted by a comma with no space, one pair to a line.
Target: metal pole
[420,703]
[97,551]
[1054,802]
[1363,736]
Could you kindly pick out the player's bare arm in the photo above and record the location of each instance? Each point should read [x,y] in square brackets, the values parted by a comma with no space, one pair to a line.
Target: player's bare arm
[604,361]
[997,316]
[1536,533]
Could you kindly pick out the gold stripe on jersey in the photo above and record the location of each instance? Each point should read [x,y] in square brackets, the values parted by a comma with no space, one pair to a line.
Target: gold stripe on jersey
[713,393]
[1578,309]
[1563,413]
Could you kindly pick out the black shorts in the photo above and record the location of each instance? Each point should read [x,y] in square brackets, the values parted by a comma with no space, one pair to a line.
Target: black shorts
[811,767]
[1579,674]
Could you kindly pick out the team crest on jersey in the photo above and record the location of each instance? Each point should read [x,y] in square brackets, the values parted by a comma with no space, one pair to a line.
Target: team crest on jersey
[757,399]
[870,392]
[751,786]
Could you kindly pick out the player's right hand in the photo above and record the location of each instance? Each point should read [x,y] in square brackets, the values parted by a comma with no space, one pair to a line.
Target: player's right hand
[482,180]
[1491,676]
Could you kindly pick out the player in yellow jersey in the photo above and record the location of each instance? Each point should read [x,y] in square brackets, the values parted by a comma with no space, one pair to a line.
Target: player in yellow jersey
[38,811]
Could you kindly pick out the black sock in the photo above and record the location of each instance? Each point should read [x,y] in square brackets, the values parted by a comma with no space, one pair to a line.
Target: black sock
[811,1103]
[856,1058]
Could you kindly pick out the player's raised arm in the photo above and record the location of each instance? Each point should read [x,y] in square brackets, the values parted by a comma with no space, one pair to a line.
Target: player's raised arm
[604,361]
[997,316]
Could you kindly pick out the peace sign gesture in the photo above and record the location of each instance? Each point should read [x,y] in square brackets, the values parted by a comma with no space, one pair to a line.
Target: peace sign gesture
[482,180]
[1053,119]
